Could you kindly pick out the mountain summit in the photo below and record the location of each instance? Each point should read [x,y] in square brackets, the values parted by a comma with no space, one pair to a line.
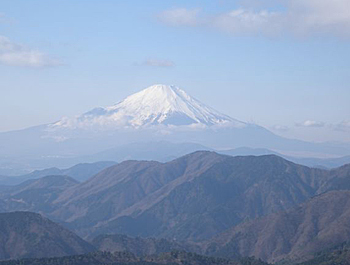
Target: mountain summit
[158,113]
[155,105]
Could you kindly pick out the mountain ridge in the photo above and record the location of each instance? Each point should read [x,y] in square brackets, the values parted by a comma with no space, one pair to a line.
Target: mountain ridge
[165,193]
[296,234]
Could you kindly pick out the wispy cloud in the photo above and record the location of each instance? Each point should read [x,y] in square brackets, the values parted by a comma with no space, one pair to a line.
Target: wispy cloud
[15,54]
[5,19]
[343,126]
[246,22]
[298,18]
[311,123]
[180,17]
[2,17]
[281,128]
[157,63]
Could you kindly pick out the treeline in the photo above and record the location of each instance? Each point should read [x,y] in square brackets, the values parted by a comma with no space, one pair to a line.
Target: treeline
[339,255]
[125,258]
[95,258]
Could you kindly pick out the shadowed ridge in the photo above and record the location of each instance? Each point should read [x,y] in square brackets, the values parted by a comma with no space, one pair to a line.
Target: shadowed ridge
[318,224]
[27,234]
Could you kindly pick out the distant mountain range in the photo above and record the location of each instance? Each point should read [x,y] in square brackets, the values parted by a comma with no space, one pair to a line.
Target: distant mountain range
[166,151]
[157,113]
[325,163]
[79,172]
[161,151]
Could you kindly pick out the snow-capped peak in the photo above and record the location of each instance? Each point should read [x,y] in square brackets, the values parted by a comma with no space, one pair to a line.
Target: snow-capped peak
[155,105]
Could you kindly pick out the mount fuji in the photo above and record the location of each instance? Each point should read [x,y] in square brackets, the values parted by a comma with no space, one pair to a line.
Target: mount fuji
[155,105]
[156,115]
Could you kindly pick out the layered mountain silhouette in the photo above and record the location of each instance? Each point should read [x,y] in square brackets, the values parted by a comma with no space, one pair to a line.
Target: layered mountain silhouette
[79,172]
[203,202]
[194,197]
[35,195]
[190,198]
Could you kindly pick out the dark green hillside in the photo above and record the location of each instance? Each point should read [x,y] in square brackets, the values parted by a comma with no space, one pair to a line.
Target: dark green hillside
[339,255]
[125,258]
[141,246]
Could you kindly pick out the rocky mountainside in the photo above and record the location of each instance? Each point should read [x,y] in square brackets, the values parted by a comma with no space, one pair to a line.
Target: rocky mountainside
[297,234]
[28,235]
[190,198]
[340,179]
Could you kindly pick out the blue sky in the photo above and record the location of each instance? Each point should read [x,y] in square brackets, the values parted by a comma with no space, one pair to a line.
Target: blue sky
[282,64]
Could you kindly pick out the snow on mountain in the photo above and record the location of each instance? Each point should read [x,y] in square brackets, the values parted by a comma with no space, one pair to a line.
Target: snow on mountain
[155,105]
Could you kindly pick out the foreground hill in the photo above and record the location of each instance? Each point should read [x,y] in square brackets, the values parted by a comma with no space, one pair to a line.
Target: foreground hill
[190,198]
[26,235]
[339,255]
[297,234]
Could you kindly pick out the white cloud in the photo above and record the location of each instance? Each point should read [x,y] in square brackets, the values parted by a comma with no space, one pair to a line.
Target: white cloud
[297,18]
[158,63]
[311,123]
[319,17]
[15,54]
[242,21]
[180,17]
